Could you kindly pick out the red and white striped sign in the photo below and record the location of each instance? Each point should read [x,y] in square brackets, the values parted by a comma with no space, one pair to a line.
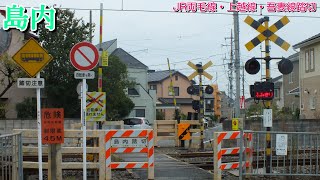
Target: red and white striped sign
[235,150]
[130,133]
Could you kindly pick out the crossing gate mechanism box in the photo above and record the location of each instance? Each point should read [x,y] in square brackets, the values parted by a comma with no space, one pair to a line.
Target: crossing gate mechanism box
[130,141]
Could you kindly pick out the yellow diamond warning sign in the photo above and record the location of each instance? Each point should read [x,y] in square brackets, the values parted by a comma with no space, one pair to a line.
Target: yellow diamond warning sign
[32,58]
[96,106]
[184,131]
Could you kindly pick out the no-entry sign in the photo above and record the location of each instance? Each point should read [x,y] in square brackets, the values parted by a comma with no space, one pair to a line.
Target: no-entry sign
[84,56]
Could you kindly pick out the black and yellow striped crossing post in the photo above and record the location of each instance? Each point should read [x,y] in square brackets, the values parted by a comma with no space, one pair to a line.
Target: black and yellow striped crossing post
[200,72]
[267,34]
[268,103]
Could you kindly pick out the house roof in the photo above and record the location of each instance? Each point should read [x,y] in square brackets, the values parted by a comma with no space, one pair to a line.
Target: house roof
[162,75]
[178,100]
[107,44]
[294,57]
[309,41]
[128,59]
[276,79]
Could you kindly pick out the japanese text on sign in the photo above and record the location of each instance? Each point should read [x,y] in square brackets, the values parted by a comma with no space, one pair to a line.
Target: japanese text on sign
[84,74]
[52,126]
[30,83]
[281,144]
[211,7]
[16,17]
[129,142]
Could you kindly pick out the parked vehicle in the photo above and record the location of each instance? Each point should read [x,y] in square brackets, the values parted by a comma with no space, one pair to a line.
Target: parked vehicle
[136,123]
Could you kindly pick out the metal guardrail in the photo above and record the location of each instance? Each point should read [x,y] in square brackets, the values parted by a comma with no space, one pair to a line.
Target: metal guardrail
[301,159]
[11,157]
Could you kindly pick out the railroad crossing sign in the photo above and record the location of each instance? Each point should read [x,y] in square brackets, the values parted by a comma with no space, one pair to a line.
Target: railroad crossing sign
[266,33]
[32,57]
[84,56]
[184,131]
[199,70]
[96,106]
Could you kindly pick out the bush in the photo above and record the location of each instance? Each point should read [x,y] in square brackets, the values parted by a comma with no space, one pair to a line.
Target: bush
[27,109]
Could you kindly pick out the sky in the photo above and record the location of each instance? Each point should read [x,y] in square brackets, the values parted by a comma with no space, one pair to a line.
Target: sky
[152,37]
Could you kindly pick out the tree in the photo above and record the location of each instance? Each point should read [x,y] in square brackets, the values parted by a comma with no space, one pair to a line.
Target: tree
[115,80]
[9,73]
[60,87]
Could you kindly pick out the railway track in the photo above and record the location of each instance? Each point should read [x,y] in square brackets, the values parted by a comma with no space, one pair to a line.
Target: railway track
[261,153]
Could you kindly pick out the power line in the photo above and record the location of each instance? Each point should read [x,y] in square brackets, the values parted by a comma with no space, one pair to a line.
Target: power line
[197,13]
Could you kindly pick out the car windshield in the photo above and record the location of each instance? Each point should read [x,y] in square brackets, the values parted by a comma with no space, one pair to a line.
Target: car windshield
[132,121]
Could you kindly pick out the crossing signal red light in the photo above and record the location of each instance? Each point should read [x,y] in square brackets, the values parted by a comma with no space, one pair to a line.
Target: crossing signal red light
[252,66]
[285,66]
[191,90]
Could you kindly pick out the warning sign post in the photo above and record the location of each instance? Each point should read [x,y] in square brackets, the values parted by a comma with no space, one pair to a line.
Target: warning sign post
[52,125]
[184,131]
[96,106]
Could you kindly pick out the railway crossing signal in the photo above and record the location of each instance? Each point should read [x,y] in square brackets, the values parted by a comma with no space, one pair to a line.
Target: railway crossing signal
[267,33]
[199,71]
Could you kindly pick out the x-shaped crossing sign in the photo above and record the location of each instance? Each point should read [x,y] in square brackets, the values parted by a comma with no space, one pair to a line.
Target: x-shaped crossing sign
[199,70]
[266,33]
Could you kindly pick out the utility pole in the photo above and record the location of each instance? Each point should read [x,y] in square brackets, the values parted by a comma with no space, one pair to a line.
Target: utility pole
[237,60]
[231,69]
[176,112]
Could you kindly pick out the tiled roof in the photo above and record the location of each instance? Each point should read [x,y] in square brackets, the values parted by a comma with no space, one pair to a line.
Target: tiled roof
[128,59]
[301,44]
[161,75]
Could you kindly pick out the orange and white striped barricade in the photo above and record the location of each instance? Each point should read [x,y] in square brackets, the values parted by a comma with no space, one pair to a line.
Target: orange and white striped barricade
[219,152]
[130,141]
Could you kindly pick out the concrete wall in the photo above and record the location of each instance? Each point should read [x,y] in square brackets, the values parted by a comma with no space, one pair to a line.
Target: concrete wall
[303,125]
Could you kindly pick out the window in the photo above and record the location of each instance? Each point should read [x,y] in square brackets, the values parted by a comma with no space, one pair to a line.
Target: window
[291,77]
[309,60]
[140,113]
[276,93]
[176,91]
[312,101]
[306,59]
[153,87]
[177,78]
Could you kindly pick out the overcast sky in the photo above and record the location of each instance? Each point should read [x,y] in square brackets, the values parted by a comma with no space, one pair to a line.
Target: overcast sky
[152,37]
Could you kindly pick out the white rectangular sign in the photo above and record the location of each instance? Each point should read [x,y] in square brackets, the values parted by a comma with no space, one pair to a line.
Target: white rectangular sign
[84,74]
[267,118]
[129,142]
[281,144]
[30,83]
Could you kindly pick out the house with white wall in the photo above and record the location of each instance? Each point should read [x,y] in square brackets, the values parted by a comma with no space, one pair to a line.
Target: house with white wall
[143,98]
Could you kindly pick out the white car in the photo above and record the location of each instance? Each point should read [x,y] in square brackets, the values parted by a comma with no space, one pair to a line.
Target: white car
[136,123]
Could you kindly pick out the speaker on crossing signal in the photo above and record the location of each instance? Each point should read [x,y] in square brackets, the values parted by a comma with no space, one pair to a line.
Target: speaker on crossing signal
[252,66]
[285,66]
[191,90]
[209,89]
[196,105]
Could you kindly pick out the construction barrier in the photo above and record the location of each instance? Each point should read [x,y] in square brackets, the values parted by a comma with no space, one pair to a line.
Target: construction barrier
[168,130]
[129,141]
[219,152]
